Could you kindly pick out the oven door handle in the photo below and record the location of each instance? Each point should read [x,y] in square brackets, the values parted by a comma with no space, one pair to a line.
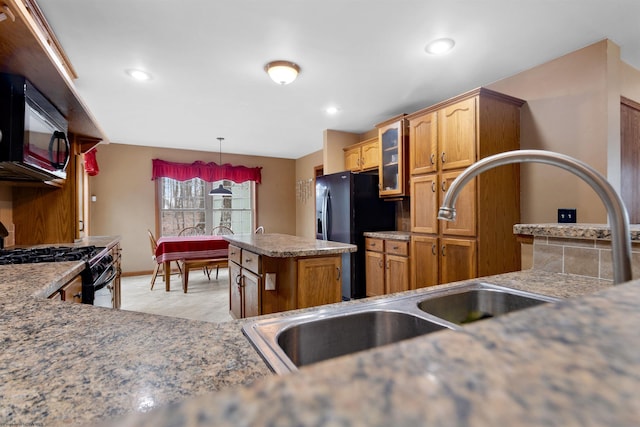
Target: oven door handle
[102,283]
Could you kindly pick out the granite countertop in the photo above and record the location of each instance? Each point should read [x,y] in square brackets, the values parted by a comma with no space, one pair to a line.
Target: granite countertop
[573,231]
[389,235]
[573,363]
[66,363]
[576,362]
[285,246]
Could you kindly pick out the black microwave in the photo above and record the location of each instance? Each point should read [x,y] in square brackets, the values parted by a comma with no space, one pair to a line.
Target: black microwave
[33,133]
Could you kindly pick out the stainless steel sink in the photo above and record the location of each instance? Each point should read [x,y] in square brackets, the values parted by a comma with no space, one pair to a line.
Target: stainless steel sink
[314,341]
[470,305]
[289,342]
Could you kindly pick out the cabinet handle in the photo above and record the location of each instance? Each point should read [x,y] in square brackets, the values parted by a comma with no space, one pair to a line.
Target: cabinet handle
[443,252]
[238,278]
[78,295]
[432,158]
[444,186]
[251,260]
[338,271]
[387,264]
[433,186]
[395,248]
[380,263]
[433,249]
[443,157]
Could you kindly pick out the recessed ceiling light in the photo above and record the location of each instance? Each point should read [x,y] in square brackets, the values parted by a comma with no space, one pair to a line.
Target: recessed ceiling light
[331,110]
[439,46]
[138,74]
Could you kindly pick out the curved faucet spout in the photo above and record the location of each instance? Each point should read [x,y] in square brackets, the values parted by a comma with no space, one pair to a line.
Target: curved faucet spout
[618,217]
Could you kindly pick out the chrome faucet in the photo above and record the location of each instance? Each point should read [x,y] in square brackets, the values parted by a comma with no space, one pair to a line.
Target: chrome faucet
[618,217]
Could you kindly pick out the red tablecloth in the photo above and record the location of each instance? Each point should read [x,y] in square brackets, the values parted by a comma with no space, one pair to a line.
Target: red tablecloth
[191,247]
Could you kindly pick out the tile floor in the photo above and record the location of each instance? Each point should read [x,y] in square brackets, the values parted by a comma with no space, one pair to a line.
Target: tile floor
[206,300]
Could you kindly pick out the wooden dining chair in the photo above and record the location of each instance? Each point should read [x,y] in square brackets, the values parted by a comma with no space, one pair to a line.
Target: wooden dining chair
[159,269]
[207,264]
[221,230]
[191,231]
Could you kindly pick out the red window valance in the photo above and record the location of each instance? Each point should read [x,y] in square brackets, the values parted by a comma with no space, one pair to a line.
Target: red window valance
[207,171]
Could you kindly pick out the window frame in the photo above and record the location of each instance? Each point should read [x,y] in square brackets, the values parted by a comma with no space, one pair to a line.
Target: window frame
[209,210]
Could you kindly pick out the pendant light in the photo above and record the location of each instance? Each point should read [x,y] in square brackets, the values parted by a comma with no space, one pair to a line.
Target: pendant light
[220,189]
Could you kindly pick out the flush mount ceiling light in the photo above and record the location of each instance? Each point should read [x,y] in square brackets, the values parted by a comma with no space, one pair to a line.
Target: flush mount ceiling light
[282,72]
[138,74]
[439,46]
[220,189]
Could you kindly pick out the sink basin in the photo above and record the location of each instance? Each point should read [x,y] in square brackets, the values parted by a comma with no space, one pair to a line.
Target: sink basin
[311,342]
[292,341]
[471,305]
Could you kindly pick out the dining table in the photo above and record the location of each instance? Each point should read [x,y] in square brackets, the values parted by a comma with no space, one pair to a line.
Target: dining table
[183,248]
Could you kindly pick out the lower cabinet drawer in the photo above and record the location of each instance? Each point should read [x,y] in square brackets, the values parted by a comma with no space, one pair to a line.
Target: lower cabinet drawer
[234,254]
[251,261]
[72,291]
[396,247]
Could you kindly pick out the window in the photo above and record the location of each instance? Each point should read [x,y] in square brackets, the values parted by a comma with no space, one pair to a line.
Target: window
[188,204]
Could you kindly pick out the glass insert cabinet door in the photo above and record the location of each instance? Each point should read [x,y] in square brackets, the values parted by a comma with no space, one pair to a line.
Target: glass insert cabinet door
[392,137]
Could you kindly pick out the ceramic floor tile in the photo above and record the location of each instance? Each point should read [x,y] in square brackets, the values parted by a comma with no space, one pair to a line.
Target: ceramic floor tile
[206,300]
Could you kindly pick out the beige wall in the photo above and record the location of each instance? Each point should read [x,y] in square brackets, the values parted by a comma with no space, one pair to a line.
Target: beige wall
[630,82]
[567,111]
[305,208]
[333,154]
[125,195]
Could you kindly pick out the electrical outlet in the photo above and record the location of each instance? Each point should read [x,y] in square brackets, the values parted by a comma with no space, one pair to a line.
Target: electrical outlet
[567,215]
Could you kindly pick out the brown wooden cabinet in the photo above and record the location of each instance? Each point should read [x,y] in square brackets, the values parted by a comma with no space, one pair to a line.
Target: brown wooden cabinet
[387,266]
[393,170]
[423,143]
[72,291]
[245,283]
[319,281]
[362,156]
[445,139]
[260,284]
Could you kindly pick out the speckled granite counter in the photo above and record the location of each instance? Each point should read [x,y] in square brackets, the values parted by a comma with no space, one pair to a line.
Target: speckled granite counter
[573,231]
[64,363]
[572,363]
[405,236]
[284,245]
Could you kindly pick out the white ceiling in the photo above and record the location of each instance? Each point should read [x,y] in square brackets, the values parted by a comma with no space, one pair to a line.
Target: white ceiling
[365,57]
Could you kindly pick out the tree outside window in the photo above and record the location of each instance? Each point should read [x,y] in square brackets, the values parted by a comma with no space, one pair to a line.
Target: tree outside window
[184,204]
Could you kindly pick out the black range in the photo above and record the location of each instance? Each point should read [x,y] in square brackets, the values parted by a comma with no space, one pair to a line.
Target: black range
[99,269]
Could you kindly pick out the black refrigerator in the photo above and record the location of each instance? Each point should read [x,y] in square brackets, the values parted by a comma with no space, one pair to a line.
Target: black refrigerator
[347,205]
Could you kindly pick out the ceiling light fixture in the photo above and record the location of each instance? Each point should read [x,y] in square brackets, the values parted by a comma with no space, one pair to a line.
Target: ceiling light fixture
[439,46]
[331,110]
[282,72]
[220,189]
[139,75]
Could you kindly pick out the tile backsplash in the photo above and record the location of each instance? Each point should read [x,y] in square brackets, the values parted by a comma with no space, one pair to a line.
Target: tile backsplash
[584,257]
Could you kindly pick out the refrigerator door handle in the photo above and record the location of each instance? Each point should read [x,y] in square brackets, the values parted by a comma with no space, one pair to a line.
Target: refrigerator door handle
[325,216]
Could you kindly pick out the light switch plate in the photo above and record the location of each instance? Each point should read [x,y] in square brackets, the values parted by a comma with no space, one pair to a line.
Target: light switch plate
[270,282]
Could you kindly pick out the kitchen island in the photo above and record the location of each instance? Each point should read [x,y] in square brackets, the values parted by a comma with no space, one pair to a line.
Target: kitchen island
[576,362]
[270,273]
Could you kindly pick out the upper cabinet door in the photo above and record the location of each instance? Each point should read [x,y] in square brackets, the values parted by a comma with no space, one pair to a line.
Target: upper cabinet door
[423,144]
[457,132]
[370,157]
[393,164]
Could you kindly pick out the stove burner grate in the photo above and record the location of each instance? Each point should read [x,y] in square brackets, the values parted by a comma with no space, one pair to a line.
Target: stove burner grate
[47,254]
